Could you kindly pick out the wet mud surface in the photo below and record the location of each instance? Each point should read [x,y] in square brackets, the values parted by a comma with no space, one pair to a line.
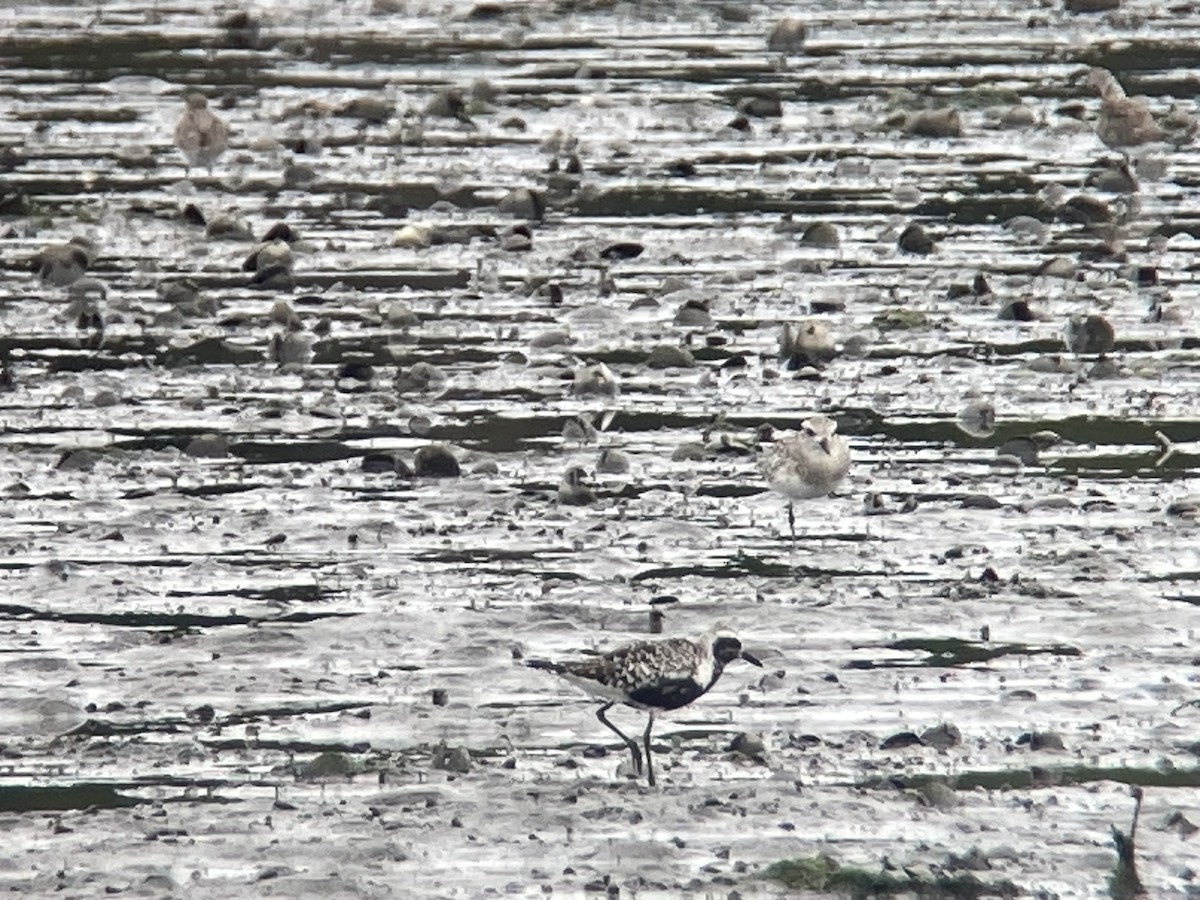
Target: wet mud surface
[244,651]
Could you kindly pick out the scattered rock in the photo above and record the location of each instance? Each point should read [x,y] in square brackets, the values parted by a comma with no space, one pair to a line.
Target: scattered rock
[1092,334]
[523,203]
[939,795]
[896,319]
[451,759]
[665,356]
[622,250]
[82,460]
[694,314]
[788,36]
[900,741]
[1042,740]
[821,235]
[942,736]
[436,461]
[208,446]
[330,765]
[934,123]
[915,240]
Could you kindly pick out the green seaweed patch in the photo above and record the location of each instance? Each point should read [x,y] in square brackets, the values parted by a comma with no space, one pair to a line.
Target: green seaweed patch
[1047,776]
[823,873]
[803,873]
[330,765]
[897,319]
[744,565]
[985,96]
[951,652]
[86,795]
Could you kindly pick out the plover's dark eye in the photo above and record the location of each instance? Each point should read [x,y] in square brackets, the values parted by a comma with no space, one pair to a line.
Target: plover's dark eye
[727,649]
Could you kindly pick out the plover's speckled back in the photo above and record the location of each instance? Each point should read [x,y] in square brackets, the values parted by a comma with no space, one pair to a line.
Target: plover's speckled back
[807,464]
[654,676]
[201,136]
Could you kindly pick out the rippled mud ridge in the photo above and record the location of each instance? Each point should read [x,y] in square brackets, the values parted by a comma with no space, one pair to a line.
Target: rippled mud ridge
[457,345]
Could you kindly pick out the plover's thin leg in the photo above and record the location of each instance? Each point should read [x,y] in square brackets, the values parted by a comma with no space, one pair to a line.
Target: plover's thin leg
[646,744]
[634,750]
[792,520]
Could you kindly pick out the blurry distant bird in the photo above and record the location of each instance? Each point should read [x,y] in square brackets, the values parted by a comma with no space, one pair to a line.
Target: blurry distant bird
[788,36]
[1127,121]
[1089,334]
[596,379]
[1026,449]
[581,429]
[935,123]
[201,136]
[978,418]
[809,463]
[806,343]
[573,489]
[449,104]
[61,265]
[612,462]
[293,347]
[272,260]
[1186,510]
[421,379]
[694,313]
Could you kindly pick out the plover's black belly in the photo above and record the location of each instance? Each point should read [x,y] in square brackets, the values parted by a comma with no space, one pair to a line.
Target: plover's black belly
[667,694]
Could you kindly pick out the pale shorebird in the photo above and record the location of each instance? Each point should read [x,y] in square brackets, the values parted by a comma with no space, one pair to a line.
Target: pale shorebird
[1124,121]
[654,676]
[1089,334]
[61,265]
[809,463]
[201,136]
[595,380]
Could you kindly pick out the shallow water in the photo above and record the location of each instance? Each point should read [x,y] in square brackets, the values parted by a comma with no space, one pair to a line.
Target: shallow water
[187,628]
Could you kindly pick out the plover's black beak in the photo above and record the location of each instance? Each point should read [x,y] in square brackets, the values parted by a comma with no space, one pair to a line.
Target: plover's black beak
[751,658]
[825,444]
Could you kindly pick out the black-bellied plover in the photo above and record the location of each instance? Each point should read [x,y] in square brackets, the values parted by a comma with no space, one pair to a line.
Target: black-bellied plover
[807,464]
[654,676]
[201,136]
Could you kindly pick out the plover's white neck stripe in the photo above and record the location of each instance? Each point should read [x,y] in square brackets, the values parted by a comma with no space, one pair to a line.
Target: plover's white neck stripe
[705,665]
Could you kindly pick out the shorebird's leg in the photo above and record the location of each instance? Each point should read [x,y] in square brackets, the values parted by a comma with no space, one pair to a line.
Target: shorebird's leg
[634,750]
[646,743]
[792,519]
